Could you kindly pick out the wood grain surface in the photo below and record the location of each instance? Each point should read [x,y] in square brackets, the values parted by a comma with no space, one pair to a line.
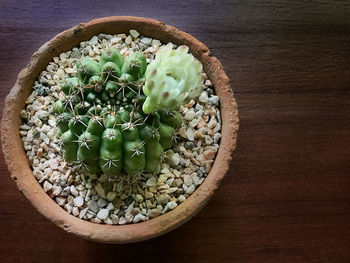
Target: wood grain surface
[287,196]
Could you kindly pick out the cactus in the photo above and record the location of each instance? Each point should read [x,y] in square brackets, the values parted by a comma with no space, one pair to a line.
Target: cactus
[172,79]
[102,121]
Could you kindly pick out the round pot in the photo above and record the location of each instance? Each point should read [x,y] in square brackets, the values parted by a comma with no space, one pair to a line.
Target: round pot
[19,166]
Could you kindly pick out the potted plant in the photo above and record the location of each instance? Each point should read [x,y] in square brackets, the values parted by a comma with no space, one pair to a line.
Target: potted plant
[126,128]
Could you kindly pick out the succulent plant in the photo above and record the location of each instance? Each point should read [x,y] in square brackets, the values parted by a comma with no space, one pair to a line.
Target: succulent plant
[172,79]
[101,123]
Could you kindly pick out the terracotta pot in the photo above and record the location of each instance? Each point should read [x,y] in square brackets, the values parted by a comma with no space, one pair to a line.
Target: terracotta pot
[19,166]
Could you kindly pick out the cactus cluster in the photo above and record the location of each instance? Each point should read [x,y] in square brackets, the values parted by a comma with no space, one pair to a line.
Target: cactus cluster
[102,126]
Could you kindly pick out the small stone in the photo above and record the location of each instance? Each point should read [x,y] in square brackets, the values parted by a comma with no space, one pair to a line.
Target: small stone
[138,218]
[190,189]
[93,206]
[208,155]
[171,205]
[42,115]
[75,211]
[190,134]
[75,53]
[146,40]
[171,190]
[74,190]
[153,213]
[208,140]
[47,186]
[203,97]
[190,104]
[207,83]
[68,208]
[61,201]
[128,40]
[198,134]
[152,181]
[78,201]
[122,221]
[101,36]
[189,115]
[188,180]
[93,41]
[175,159]
[181,198]
[116,40]
[45,128]
[129,217]
[100,190]
[212,123]
[101,202]
[214,100]
[111,196]
[103,214]
[134,33]
[114,219]
[193,123]
[83,212]
[96,220]
[57,189]
[110,206]
[138,198]
[217,137]
[162,199]
[196,179]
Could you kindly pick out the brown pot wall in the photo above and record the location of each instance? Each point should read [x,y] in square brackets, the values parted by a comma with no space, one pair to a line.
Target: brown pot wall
[19,166]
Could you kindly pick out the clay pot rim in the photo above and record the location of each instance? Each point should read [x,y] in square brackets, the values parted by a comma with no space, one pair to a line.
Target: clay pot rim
[19,167]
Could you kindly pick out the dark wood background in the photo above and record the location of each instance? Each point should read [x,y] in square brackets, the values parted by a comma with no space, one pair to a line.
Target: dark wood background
[287,196]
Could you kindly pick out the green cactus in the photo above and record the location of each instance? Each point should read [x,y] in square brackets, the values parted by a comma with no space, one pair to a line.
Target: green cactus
[101,123]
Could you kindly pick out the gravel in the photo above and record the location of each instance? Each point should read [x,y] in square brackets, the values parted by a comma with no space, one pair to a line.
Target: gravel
[118,200]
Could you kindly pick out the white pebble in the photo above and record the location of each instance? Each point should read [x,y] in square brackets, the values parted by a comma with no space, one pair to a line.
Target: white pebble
[83,212]
[134,33]
[115,40]
[175,159]
[171,205]
[47,186]
[214,100]
[93,41]
[190,189]
[188,180]
[103,214]
[190,115]
[152,181]
[61,201]
[110,206]
[190,134]
[217,137]
[128,40]
[203,97]
[74,190]
[78,201]
[138,218]
[68,208]
[75,211]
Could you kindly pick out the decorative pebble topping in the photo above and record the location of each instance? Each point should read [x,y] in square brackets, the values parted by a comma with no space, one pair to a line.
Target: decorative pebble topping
[118,200]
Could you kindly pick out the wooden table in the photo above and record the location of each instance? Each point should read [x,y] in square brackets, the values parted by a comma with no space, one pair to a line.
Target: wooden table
[287,196]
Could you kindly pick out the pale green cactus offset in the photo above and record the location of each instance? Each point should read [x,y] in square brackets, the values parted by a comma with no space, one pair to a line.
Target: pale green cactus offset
[172,79]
